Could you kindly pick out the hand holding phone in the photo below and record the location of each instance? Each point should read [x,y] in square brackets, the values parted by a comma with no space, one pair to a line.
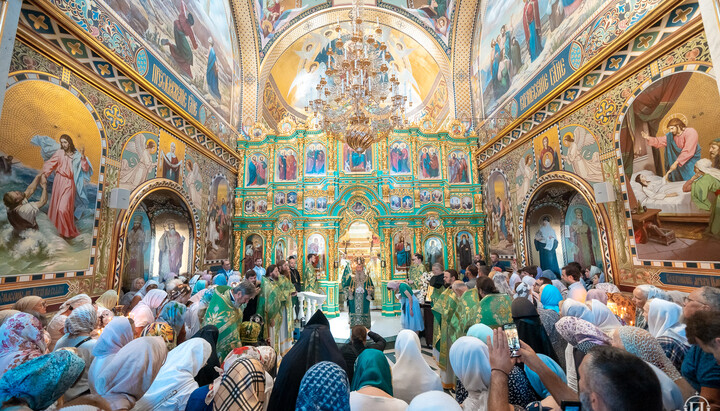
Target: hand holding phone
[513,339]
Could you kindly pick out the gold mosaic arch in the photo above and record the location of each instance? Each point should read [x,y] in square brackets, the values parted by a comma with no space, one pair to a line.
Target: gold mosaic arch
[330,16]
[586,191]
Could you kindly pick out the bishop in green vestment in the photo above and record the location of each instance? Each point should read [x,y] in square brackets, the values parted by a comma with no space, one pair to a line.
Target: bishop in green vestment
[225,311]
[359,290]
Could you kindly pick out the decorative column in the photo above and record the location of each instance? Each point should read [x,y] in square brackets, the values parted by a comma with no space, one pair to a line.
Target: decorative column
[330,307]
[390,304]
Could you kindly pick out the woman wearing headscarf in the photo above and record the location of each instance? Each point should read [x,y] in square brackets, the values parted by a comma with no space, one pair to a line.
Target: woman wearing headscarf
[530,328]
[598,295]
[135,286]
[664,323]
[315,344]
[581,336]
[175,381]
[242,387]
[411,375]
[146,310]
[550,297]
[6,314]
[573,308]
[115,335]
[494,307]
[372,384]
[105,305]
[21,339]
[163,330]
[480,331]
[149,286]
[207,373]
[537,384]
[173,313]
[266,355]
[434,400]
[39,382]
[641,294]
[56,327]
[31,304]
[469,359]
[640,343]
[549,318]
[324,387]
[501,283]
[411,316]
[127,376]
[603,318]
[199,286]
[79,327]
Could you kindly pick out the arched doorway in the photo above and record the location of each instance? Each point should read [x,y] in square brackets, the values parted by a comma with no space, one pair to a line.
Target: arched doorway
[561,223]
[360,243]
[156,236]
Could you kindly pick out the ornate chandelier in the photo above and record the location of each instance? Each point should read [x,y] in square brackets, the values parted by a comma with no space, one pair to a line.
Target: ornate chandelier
[358,101]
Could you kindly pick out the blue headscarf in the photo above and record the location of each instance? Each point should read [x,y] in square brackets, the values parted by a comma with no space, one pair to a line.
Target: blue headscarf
[481,332]
[550,297]
[324,387]
[199,286]
[535,379]
[42,380]
[220,279]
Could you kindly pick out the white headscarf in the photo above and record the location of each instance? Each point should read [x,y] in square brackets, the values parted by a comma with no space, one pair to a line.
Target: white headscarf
[56,327]
[603,317]
[470,361]
[82,320]
[176,380]
[501,283]
[607,287]
[114,336]
[144,289]
[146,310]
[434,400]
[664,320]
[127,376]
[411,375]
[577,309]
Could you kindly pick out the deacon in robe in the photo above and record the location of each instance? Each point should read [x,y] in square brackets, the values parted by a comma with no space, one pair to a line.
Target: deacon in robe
[359,290]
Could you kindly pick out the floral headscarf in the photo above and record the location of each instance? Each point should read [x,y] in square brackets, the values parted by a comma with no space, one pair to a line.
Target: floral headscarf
[324,387]
[159,329]
[41,381]
[82,320]
[21,339]
[641,343]
[580,333]
[173,313]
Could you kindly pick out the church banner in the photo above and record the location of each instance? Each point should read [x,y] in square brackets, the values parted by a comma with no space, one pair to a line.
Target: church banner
[689,280]
[48,291]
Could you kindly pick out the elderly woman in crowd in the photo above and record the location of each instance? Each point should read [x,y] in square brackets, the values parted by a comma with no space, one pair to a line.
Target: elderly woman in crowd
[79,327]
[56,327]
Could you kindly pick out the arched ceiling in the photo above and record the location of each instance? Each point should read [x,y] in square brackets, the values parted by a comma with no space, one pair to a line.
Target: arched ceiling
[436,35]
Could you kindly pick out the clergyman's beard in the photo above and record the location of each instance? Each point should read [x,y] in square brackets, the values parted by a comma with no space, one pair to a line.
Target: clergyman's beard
[585,401]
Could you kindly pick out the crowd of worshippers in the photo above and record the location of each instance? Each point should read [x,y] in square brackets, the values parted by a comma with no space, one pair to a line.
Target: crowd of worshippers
[503,337]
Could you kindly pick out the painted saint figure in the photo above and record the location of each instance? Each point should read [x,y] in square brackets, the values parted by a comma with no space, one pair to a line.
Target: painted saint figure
[433,250]
[402,253]
[464,251]
[171,251]
[133,173]
[211,74]
[581,236]
[21,213]
[681,150]
[71,170]
[136,251]
[182,31]
[548,158]
[171,165]
[533,28]
[546,243]
[703,186]
[524,175]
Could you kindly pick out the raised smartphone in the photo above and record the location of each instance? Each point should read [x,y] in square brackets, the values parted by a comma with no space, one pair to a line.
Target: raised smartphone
[512,339]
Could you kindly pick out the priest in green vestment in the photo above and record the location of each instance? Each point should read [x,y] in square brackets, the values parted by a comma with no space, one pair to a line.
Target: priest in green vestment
[359,289]
[415,276]
[494,306]
[225,311]
[270,306]
[310,282]
[286,291]
[446,326]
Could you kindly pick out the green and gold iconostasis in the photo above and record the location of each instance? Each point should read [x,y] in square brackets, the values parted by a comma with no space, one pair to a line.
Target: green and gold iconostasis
[303,193]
